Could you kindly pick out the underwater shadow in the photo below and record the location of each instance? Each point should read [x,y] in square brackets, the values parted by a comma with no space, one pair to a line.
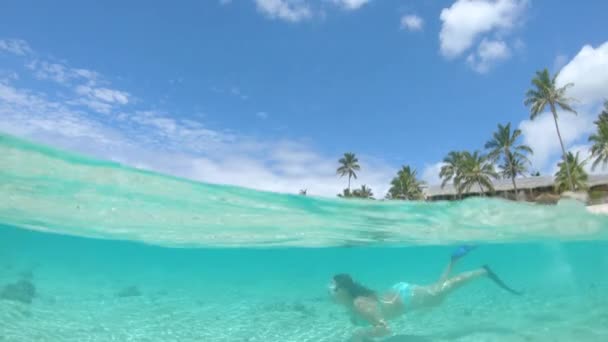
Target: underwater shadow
[452,334]
[407,338]
[471,330]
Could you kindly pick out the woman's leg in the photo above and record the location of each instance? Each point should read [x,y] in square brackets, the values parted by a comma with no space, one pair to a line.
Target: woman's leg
[451,284]
[456,255]
[461,279]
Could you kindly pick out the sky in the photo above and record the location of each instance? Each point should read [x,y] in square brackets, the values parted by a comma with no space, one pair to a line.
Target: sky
[268,94]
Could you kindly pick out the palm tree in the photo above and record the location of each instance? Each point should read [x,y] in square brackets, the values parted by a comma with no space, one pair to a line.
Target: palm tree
[363,192]
[577,173]
[504,144]
[348,165]
[599,149]
[475,169]
[406,185]
[512,167]
[546,93]
[451,169]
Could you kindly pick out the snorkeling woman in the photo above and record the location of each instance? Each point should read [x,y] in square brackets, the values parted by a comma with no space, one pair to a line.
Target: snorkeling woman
[368,308]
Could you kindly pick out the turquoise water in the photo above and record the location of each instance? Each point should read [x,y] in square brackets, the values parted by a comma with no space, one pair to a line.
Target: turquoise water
[118,254]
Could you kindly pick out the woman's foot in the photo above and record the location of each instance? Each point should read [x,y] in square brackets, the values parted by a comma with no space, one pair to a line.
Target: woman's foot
[462,251]
[490,274]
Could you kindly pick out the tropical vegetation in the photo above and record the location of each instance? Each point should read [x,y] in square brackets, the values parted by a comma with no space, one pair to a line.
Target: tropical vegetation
[349,164]
[505,148]
[505,155]
[475,169]
[363,192]
[406,185]
[545,92]
[599,140]
[577,177]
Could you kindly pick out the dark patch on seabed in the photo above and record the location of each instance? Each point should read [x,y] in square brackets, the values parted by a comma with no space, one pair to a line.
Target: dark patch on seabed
[22,291]
[131,291]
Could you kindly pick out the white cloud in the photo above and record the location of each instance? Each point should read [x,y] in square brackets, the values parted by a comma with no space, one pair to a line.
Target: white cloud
[50,71]
[588,70]
[15,46]
[584,151]
[83,82]
[541,135]
[104,94]
[288,10]
[156,140]
[412,22]
[350,4]
[467,20]
[430,174]
[488,53]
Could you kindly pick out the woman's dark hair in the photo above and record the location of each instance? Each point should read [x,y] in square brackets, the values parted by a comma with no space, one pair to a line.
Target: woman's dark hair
[354,289]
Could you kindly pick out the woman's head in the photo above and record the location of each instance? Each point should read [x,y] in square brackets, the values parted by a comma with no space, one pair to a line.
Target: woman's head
[344,289]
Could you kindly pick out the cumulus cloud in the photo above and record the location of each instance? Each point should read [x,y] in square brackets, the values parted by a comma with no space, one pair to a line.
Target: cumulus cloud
[588,70]
[350,4]
[301,10]
[412,22]
[468,21]
[288,10]
[488,53]
[541,135]
[15,46]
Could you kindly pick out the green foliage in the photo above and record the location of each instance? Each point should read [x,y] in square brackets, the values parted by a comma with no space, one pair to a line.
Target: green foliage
[577,170]
[504,147]
[474,169]
[599,140]
[545,92]
[348,165]
[405,185]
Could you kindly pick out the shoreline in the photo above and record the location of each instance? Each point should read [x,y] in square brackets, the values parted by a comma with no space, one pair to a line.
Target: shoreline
[598,208]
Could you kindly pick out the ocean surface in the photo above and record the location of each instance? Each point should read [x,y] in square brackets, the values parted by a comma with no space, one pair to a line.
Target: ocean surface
[95,251]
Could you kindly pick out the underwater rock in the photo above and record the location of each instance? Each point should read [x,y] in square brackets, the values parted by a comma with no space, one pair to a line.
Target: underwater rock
[131,291]
[22,291]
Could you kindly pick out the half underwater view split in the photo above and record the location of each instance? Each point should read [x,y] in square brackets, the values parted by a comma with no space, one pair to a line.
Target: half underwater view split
[304,171]
[92,251]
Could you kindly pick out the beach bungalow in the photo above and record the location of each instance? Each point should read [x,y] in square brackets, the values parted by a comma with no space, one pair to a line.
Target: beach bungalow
[529,188]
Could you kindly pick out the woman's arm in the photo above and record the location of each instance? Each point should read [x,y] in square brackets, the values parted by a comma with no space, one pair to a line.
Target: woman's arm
[368,310]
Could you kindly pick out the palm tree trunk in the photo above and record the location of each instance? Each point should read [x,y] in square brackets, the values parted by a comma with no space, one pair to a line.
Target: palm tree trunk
[514,174]
[559,135]
[481,189]
[349,175]
[514,186]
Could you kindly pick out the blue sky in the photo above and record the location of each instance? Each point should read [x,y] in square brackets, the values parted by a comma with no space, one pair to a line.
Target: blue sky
[269,93]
